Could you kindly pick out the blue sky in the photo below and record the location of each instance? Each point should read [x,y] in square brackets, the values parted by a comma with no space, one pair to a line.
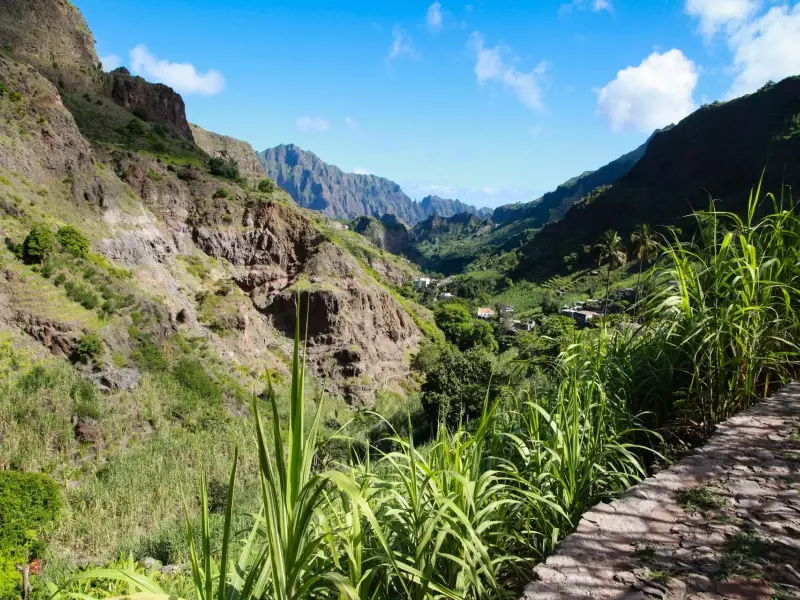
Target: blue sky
[489,101]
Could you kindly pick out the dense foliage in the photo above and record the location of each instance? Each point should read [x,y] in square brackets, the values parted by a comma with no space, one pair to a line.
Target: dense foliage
[29,506]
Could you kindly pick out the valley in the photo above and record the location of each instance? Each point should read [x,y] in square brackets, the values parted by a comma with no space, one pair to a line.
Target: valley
[244,373]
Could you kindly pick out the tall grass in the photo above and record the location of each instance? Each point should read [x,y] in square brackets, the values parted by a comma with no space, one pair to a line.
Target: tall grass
[733,296]
[466,516]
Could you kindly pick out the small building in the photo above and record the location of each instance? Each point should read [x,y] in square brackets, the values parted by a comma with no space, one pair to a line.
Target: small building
[581,317]
[422,283]
[484,312]
[506,311]
[446,296]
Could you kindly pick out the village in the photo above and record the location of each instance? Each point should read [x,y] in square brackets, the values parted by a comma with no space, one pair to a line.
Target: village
[584,312]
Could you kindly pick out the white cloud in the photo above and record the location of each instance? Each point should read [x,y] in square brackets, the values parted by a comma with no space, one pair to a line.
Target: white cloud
[183,77]
[717,14]
[656,93]
[360,171]
[110,62]
[491,66]
[317,124]
[402,44]
[767,48]
[434,17]
[593,5]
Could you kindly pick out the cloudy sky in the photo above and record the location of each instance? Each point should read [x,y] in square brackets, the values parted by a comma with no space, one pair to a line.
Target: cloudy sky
[491,101]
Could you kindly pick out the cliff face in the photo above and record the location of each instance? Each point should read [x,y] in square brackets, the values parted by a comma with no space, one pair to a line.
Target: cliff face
[320,186]
[52,36]
[155,101]
[387,233]
[226,147]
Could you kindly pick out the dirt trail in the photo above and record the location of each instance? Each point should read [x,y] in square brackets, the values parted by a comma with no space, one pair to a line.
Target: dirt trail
[722,523]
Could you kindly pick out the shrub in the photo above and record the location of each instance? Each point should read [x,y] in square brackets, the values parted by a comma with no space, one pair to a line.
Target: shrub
[77,292]
[135,128]
[141,113]
[29,506]
[148,357]
[73,241]
[191,375]
[89,347]
[229,169]
[266,186]
[39,244]
[84,399]
[59,279]
[221,193]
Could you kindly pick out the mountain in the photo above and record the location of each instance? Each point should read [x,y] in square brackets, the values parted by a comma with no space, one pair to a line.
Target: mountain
[720,151]
[320,186]
[387,233]
[444,207]
[554,205]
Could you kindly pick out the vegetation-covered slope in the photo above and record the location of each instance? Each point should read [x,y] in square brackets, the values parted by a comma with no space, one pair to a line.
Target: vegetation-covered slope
[719,151]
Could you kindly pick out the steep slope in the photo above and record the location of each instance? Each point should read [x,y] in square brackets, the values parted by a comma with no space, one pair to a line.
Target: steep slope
[718,151]
[226,147]
[554,205]
[52,36]
[387,233]
[447,244]
[325,188]
[115,157]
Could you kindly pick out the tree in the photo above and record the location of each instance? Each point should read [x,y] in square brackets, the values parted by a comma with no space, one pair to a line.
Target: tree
[645,248]
[229,169]
[455,320]
[456,387]
[39,244]
[612,253]
[483,336]
[73,241]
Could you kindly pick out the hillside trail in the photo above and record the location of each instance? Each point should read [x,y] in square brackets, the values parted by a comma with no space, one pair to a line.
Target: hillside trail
[721,523]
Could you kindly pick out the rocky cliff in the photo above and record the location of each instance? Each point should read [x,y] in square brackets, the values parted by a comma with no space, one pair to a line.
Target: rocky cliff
[150,101]
[226,147]
[320,186]
[387,233]
[52,36]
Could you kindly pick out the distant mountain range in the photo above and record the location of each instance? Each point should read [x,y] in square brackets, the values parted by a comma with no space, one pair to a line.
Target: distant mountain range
[320,186]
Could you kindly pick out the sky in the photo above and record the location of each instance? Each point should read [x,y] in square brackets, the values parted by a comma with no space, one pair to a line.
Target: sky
[488,101]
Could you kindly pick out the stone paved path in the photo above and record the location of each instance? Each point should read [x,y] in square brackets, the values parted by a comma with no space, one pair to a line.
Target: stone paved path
[722,523]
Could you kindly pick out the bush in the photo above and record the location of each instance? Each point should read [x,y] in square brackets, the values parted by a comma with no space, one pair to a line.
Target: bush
[191,375]
[89,347]
[29,506]
[229,169]
[39,244]
[73,241]
[266,186]
[84,399]
[141,113]
[135,128]
[77,292]
[221,193]
[149,358]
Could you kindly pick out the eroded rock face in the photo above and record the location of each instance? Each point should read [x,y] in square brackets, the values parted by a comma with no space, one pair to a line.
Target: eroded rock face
[358,335]
[159,102]
[226,147]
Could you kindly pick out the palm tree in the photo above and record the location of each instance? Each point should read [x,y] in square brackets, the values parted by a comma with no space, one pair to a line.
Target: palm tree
[645,248]
[612,253]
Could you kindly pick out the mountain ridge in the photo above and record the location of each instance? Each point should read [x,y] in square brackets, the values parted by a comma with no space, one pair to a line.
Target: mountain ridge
[321,186]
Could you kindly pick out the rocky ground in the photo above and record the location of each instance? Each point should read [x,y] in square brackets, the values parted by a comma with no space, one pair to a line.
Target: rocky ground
[722,523]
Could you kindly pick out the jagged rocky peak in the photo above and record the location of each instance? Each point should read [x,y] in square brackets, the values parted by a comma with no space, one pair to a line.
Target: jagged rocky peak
[320,186]
[51,35]
[227,147]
